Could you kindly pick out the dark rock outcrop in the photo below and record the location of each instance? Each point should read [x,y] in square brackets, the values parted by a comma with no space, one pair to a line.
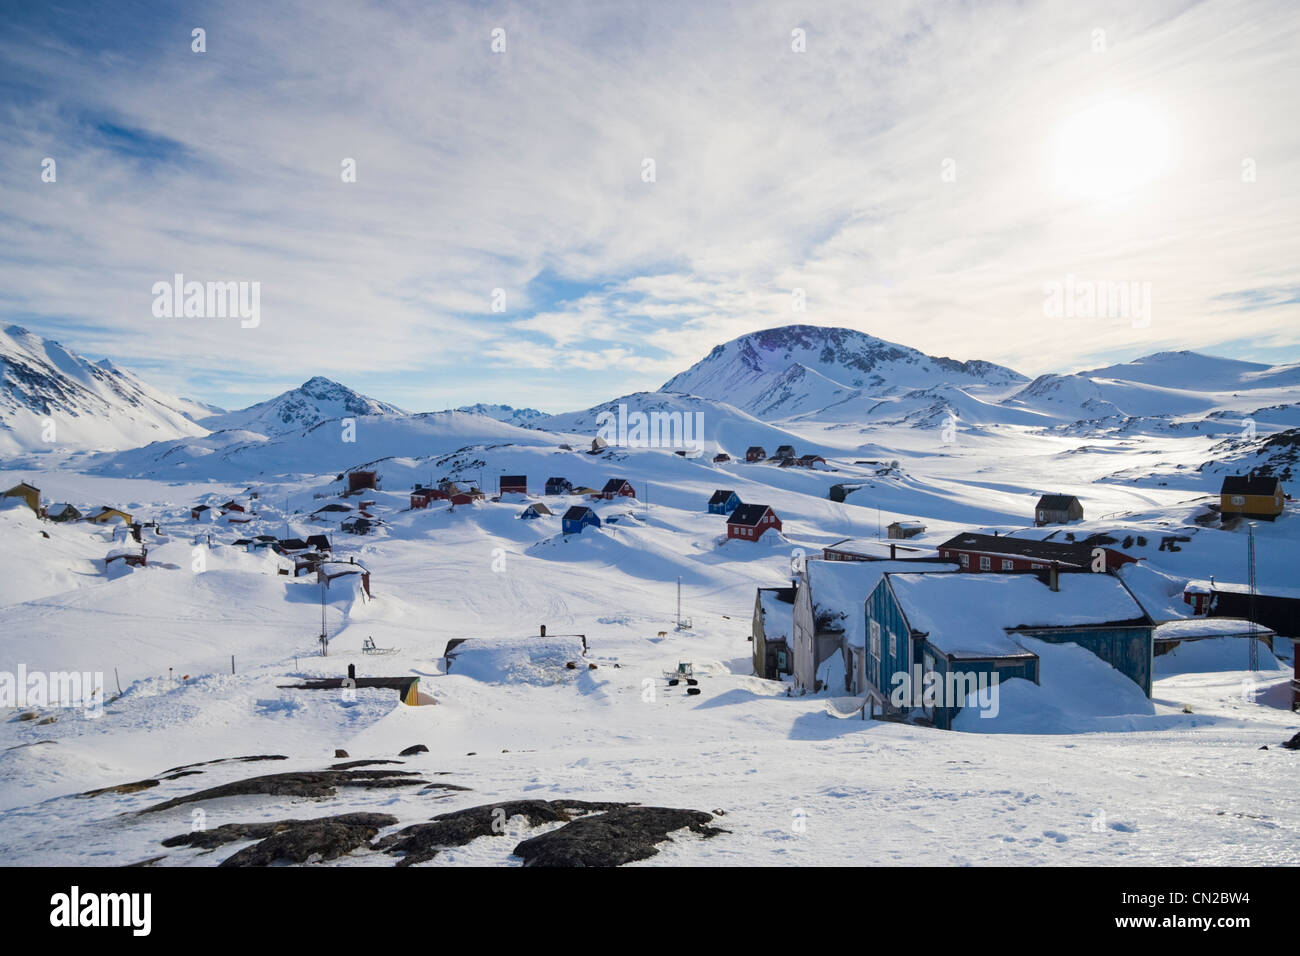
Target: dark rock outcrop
[618,836]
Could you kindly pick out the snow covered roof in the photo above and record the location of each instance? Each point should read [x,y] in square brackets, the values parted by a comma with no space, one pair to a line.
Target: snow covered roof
[1198,627]
[840,589]
[1076,555]
[778,613]
[969,615]
[879,550]
[1230,587]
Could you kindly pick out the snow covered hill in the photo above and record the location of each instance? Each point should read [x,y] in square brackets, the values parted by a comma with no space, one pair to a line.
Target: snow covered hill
[760,372]
[314,401]
[52,398]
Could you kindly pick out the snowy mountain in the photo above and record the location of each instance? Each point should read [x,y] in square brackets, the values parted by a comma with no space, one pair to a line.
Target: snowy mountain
[88,405]
[523,417]
[786,371]
[314,401]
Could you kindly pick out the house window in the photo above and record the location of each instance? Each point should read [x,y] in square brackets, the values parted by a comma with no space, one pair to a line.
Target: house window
[1238,500]
[893,646]
[985,564]
[965,560]
[875,639]
[1008,564]
[1035,567]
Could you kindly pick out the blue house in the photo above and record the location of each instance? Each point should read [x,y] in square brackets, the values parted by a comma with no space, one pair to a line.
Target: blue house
[578,517]
[955,632]
[535,510]
[723,502]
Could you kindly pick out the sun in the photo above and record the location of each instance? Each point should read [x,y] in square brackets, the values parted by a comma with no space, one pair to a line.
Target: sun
[1111,148]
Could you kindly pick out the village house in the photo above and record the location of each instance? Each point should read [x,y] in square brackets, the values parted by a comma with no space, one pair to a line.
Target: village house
[535,510]
[598,445]
[558,486]
[328,571]
[199,512]
[1057,509]
[829,617]
[513,485]
[107,515]
[723,502]
[749,522]
[755,453]
[1005,553]
[331,509]
[1251,496]
[1170,634]
[963,629]
[584,490]
[131,557]
[30,494]
[771,632]
[901,530]
[577,518]
[785,451]
[233,505]
[356,525]
[1277,608]
[809,461]
[721,457]
[360,480]
[873,549]
[61,511]
[617,488]
[319,542]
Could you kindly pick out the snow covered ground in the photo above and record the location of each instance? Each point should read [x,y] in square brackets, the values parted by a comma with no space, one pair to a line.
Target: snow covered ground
[1072,772]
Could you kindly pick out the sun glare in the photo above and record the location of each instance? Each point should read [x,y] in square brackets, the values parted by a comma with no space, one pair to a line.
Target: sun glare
[1111,148]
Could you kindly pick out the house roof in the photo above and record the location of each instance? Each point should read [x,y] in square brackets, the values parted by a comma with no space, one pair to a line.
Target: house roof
[756,448]
[539,508]
[777,605]
[1055,502]
[1249,485]
[292,544]
[878,549]
[748,515]
[577,512]
[202,508]
[514,479]
[1198,627]
[721,496]
[1071,555]
[557,481]
[908,524]
[319,542]
[969,615]
[841,588]
[336,506]
[614,484]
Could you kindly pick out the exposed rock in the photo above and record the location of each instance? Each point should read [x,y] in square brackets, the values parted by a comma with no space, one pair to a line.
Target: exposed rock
[340,754]
[235,832]
[311,841]
[619,836]
[350,764]
[422,841]
[1293,743]
[134,787]
[47,720]
[415,749]
[208,763]
[316,783]
[27,715]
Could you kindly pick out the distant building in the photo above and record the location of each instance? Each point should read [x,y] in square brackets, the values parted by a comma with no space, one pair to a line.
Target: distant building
[785,451]
[721,457]
[1057,509]
[199,512]
[723,502]
[361,480]
[598,445]
[319,542]
[513,485]
[1277,608]
[356,525]
[755,453]
[558,486]
[749,522]
[233,505]
[617,488]
[874,549]
[810,461]
[1005,553]
[131,557]
[905,529]
[577,518]
[62,512]
[107,515]
[1251,496]
[535,510]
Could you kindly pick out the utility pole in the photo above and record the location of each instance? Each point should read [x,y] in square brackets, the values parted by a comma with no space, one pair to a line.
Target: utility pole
[324,636]
[1254,594]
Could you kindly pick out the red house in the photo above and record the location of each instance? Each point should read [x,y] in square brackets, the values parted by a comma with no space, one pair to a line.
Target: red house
[748,522]
[617,487]
[360,480]
[755,453]
[514,485]
[1002,553]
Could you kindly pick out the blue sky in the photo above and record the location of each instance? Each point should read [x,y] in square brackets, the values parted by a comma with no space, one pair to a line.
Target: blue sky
[919,171]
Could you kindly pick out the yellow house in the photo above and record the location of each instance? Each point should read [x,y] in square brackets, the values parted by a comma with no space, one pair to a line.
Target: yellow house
[29,493]
[107,514]
[1251,496]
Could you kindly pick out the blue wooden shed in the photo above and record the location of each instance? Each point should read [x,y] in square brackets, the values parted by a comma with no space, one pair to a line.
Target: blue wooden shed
[723,502]
[577,518]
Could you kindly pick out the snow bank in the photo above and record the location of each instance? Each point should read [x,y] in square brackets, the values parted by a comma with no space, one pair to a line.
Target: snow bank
[1212,655]
[517,660]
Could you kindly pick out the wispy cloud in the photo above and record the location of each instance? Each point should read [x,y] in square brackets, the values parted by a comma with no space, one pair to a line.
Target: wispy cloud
[524,171]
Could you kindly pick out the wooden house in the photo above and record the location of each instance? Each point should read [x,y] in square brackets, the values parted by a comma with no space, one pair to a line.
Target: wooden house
[62,511]
[1169,635]
[30,494]
[584,490]
[785,451]
[513,485]
[749,522]
[131,557]
[1251,496]
[1277,608]
[233,505]
[558,486]
[755,453]
[809,461]
[1057,509]
[598,445]
[723,502]
[771,630]
[535,510]
[902,530]
[327,572]
[577,518]
[361,480]
[319,542]
[954,632]
[617,488]
[356,525]
[874,549]
[1004,553]
[720,458]
[107,515]
[421,497]
[200,512]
